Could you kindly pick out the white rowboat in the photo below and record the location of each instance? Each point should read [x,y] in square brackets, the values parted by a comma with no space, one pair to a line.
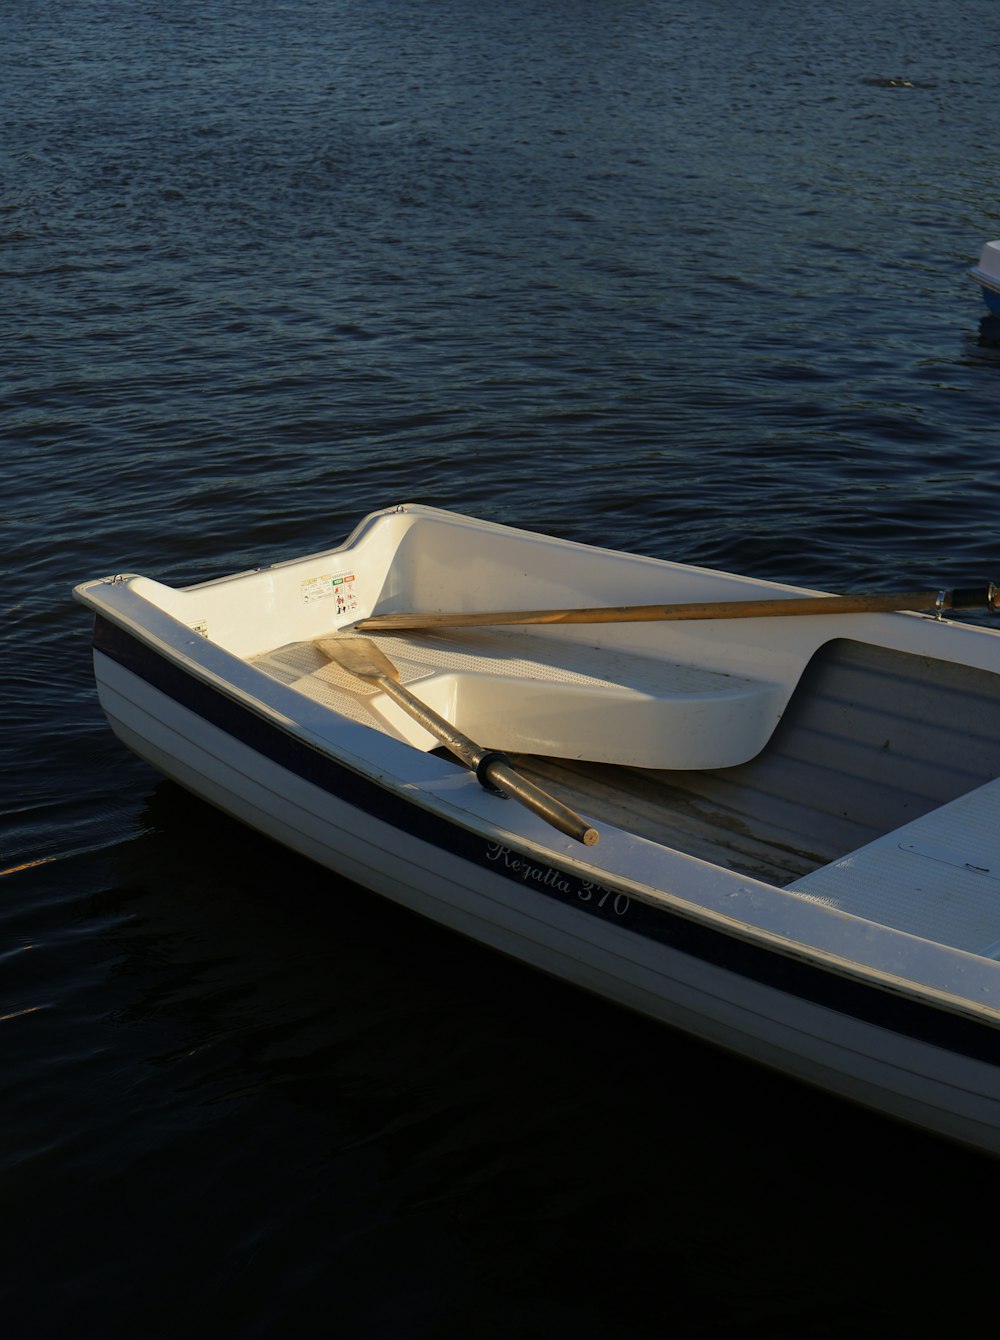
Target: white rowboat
[798,817]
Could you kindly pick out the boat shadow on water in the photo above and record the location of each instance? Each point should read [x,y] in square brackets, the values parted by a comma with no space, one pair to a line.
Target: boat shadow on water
[989,332]
[306,1090]
[394,1092]
[229,938]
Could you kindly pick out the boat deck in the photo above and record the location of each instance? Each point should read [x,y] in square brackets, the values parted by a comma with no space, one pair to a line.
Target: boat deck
[858,754]
[728,822]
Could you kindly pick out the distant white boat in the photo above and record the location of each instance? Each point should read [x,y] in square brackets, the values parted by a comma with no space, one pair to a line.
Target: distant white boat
[987,275]
[798,813]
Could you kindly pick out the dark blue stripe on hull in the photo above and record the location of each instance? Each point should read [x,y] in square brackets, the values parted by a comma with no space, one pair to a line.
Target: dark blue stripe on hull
[868,1003]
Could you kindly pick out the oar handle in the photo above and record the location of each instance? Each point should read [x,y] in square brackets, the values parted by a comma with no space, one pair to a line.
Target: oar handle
[973,598]
[493,767]
[937,601]
[560,816]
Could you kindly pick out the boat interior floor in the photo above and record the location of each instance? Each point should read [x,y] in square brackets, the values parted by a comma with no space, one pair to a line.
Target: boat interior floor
[871,740]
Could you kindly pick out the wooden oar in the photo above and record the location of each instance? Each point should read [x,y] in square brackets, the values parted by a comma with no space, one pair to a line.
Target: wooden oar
[361,657]
[938,601]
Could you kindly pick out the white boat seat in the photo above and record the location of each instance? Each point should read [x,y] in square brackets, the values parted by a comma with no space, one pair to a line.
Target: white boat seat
[937,877]
[531,694]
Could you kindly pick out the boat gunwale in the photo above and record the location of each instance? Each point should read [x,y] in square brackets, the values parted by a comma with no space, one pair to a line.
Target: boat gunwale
[984,279]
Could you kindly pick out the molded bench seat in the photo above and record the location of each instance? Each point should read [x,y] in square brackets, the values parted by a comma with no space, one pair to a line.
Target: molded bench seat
[531,694]
[936,877]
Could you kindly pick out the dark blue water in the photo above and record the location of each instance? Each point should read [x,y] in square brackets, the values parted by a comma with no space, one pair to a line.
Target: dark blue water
[678,277]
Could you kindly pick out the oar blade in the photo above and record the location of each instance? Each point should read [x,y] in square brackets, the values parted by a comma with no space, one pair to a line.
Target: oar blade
[358,656]
[363,659]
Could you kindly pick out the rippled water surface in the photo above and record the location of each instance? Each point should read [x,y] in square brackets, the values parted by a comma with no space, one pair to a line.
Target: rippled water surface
[669,276]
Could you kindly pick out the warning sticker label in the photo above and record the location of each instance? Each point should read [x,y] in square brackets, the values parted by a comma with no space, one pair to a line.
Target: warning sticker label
[338,586]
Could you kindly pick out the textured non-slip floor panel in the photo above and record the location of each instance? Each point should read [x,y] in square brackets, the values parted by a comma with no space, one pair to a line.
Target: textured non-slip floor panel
[511,654]
[938,877]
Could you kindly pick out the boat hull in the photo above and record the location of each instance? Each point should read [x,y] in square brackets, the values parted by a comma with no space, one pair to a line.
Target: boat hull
[934,1068]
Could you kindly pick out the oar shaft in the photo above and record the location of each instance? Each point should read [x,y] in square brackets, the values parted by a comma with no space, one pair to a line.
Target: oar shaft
[497,771]
[939,601]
